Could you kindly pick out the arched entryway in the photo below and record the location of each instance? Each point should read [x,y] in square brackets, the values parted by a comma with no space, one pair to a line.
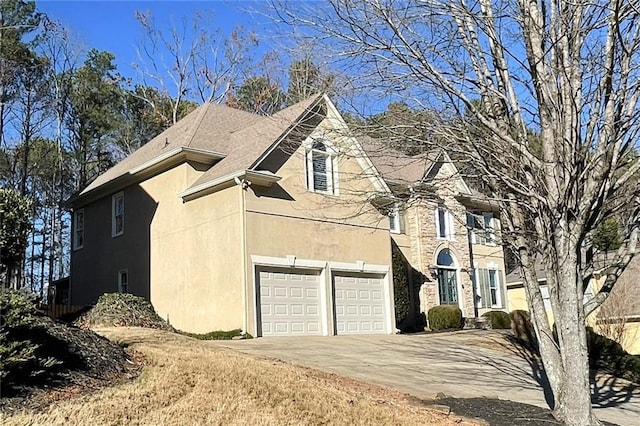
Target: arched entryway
[447,278]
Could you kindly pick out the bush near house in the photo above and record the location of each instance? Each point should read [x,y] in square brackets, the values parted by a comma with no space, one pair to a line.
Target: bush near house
[522,328]
[18,350]
[401,296]
[608,354]
[499,320]
[445,317]
[34,349]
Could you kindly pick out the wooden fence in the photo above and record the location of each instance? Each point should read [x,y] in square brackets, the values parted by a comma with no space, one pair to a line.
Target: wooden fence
[56,311]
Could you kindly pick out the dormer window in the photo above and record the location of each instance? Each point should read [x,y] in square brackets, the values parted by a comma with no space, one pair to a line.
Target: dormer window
[321,176]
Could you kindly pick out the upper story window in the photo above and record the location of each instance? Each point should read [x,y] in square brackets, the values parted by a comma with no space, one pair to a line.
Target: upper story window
[117,214]
[444,224]
[78,229]
[321,169]
[396,220]
[483,228]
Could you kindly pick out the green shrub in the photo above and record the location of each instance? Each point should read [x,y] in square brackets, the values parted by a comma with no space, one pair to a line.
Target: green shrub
[523,328]
[19,357]
[499,320]
[445,317]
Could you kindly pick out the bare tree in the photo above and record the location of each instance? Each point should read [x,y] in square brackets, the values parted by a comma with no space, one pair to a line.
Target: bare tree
[539,98]
[191,61]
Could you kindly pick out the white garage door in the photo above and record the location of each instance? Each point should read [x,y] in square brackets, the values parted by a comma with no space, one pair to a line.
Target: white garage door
[289,302]
[359,304]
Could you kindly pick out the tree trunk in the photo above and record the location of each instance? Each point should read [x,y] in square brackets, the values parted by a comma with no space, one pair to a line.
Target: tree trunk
[574,402]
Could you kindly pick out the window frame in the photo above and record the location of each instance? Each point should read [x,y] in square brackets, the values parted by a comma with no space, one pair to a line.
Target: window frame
[79,212]
[450,271]
[396,220]
[448,224]
[496,289]
[114,215]
[330,171]
[121,273]
[482,277]
[485,231]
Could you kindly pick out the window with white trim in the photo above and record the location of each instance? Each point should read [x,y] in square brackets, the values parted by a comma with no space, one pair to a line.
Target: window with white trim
[444,224]
[483,227]
[321,169]
[447,278]
[490,288]
[396,220]
[78,229]
[117,214]
[123,281]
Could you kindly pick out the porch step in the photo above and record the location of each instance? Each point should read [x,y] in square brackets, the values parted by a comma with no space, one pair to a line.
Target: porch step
[481,323]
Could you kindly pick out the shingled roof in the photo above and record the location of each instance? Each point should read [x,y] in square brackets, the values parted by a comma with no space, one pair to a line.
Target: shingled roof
[395,166]
[239,138]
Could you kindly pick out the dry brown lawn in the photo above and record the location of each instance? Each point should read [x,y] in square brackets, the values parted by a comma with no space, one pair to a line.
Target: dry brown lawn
[187,381]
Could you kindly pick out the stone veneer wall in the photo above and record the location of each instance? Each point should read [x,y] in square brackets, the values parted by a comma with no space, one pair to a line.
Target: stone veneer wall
[420,220]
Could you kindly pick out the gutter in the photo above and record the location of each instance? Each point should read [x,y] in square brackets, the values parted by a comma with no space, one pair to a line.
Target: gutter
[145,170]
[247,177]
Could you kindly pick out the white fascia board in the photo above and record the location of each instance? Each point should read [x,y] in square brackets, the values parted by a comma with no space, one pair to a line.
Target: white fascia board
[359,267]
[261,178]
[287,262]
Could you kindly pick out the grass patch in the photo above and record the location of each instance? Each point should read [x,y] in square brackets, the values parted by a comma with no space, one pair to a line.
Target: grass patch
[186,381]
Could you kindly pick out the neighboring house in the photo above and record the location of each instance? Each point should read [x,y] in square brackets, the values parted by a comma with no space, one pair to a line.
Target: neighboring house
[448,234]
[229,220]
[619,316]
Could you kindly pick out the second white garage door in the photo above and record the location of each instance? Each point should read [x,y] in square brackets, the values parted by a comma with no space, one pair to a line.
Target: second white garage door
[359,304]
[289,302]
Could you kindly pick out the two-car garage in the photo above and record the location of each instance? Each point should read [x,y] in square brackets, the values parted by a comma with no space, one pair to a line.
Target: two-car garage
[294,301]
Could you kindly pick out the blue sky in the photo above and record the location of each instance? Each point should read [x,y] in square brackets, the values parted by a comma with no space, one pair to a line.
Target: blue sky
[112,26]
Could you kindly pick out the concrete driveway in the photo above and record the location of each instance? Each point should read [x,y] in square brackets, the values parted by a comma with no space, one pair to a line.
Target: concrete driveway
[464,364]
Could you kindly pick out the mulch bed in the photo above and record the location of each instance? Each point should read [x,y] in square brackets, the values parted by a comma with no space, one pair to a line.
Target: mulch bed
[500,412]
[122,310]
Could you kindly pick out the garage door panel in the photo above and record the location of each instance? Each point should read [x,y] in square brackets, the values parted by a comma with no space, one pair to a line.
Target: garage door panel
[289,302]
[359,304]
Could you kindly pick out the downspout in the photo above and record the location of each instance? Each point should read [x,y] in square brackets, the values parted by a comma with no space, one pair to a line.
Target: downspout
[243,223]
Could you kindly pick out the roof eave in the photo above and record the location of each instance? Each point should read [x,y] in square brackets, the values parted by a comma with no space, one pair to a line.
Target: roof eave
[476,202]
[249,177]
[151,168]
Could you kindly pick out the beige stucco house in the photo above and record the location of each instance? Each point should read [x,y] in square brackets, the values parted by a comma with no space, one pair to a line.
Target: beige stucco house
[232,220]
[447,234]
